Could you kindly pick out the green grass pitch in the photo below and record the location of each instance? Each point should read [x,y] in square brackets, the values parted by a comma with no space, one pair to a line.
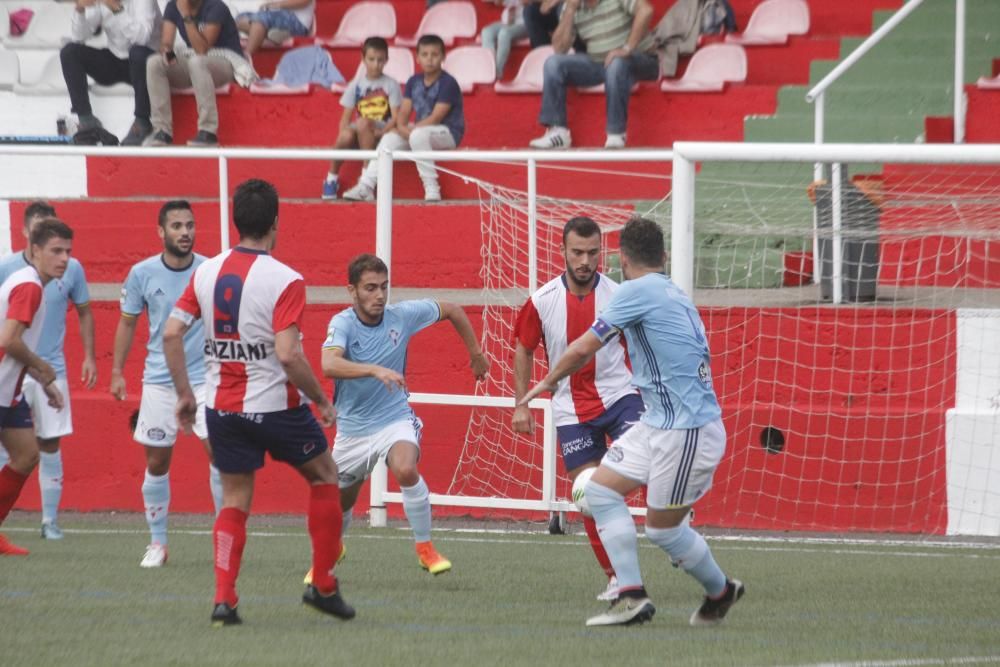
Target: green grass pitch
[512,599]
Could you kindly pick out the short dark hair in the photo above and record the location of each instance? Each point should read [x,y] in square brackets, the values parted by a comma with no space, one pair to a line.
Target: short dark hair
[255,208]
[582,226]
[172,205]
[50,228]
[641,241]
[38,209]
[362,263]
[376,43]
[427,40]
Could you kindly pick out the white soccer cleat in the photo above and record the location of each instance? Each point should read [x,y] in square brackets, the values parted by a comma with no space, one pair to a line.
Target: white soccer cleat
[625,611]
[51,531]
[554,138]
[156,556]
[360,192]
[615,141]
[611,592]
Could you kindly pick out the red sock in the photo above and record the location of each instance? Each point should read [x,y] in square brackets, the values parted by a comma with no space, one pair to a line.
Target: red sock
[595,543]
[230,536]
[325,524]
[11,483]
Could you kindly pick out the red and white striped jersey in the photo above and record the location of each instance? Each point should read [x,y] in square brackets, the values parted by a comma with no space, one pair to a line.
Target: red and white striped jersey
[244,297]
[21,300]
[557,317]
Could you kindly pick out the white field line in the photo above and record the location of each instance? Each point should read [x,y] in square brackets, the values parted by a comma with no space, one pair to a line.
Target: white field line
[914,662]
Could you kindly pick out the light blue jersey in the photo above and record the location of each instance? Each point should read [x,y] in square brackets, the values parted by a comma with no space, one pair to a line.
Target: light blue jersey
[667,348]
[365,405]
[58,293]
[155,287]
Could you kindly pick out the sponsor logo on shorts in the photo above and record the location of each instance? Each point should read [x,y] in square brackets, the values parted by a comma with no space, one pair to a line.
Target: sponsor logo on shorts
[308,447]
[615,454]
[576,445]
[347,478]
[156,434]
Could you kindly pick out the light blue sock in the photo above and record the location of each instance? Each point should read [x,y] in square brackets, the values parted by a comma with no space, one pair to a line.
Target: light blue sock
[50,481]
[417,505]
[156,498]
[617,531]
[688,550]
[215,483]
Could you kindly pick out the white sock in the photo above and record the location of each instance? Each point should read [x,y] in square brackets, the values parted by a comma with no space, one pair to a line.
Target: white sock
[215,483]
[417,505]
[156,498]
[689,551]
[618,534]
[50,481]
[331,177]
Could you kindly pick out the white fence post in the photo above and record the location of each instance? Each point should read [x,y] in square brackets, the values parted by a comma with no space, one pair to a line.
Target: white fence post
[682,225]
[959,112]
[532,226]
[223,202]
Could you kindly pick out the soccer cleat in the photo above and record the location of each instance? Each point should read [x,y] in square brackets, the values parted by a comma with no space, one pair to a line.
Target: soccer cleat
[224,615]
[330,189]
[611,592]
[431,560]
[9,549]
[711,612]
[615,141]
[308,579]
[625,611]
[204,139]
[51,531]
[360,192]
[155,556]
[554,138]
[331,604]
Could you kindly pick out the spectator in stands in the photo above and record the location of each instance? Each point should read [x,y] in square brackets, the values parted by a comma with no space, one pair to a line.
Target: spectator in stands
[294,17]
[208,29]
[498,37]
[541,18]
[436,98]
[133,32]
[375,98]
[619,48]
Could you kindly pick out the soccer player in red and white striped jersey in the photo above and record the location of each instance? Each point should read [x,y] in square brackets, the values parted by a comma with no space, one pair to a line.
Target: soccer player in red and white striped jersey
[22,312]
[597,403]
[257,385]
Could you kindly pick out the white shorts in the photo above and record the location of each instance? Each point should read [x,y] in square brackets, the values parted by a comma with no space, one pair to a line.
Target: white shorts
[49,422]
[157,425]
[356,455]
[675,465]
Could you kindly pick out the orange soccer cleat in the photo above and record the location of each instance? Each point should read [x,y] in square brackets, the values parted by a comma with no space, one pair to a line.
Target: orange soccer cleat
[431,560]
[9,549]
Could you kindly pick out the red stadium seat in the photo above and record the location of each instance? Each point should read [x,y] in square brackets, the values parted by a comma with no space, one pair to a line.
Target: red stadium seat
[471,65]
[711,67]
[447,20]
[773,21]
[361,21]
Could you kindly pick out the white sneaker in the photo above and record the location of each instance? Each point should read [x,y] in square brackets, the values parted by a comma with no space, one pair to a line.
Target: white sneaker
[615,141]
[360,192]
[432,194]
[611,592]
[156,556]
[625,611]
[51,531]
[554,137]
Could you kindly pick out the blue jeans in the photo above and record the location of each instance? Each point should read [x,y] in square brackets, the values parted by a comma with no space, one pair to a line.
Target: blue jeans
[562,71]
[281,19]
[498,38]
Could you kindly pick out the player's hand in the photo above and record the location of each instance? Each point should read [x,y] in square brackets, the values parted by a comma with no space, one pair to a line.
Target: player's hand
[404,131]
[390,378]
[480,366]
[187,411]
[89,374]
[327,415]
[615,53]
[523,421]
[55,396]
[83,4]
[117,388]
[535,392]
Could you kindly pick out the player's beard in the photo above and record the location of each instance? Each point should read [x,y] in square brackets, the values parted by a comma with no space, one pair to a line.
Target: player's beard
[575,277]
[175,250]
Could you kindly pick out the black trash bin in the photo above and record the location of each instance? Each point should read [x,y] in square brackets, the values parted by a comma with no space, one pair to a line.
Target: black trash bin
[859,235]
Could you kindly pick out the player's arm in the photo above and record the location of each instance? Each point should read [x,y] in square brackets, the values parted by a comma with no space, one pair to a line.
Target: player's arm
[345,118]
[335,366]
[86,317]
[288,349]
[577,355]
[477,360]
[403,119]
[12,343]
[524,359]
[173,351]
[436,116]
[124,335]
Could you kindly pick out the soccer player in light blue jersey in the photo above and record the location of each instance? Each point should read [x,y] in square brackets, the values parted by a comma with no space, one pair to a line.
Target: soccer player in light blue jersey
[154,285]
[52,425]
[678,442]
[365,353]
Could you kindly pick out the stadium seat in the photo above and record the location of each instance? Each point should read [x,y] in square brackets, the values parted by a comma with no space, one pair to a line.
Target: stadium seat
[399,66]
[773,21]
[50,82]
[711,67]
[471,65]
[4,23]
[10,70]
[988,83]
[530,76]
[361,21]
[447,20]
[48,29]
[257,88]
[114,90]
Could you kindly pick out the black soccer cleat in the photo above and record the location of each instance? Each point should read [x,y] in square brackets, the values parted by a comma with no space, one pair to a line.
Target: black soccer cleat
[223,614]
[331,604]
[711,612]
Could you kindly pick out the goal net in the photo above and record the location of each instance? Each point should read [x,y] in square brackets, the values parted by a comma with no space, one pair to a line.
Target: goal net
[860,390]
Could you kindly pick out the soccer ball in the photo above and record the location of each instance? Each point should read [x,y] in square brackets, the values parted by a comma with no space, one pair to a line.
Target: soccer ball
[579,497]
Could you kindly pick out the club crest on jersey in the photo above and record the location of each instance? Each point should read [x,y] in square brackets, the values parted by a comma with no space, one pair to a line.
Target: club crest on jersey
[394,337]
[156,434]
[615,454]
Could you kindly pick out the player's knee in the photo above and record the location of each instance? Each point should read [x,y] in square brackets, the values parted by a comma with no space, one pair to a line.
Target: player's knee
[25,461]
[601,497]
[406,474]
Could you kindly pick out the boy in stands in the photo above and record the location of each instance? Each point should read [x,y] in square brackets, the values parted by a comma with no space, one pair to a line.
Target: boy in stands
[375,99]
